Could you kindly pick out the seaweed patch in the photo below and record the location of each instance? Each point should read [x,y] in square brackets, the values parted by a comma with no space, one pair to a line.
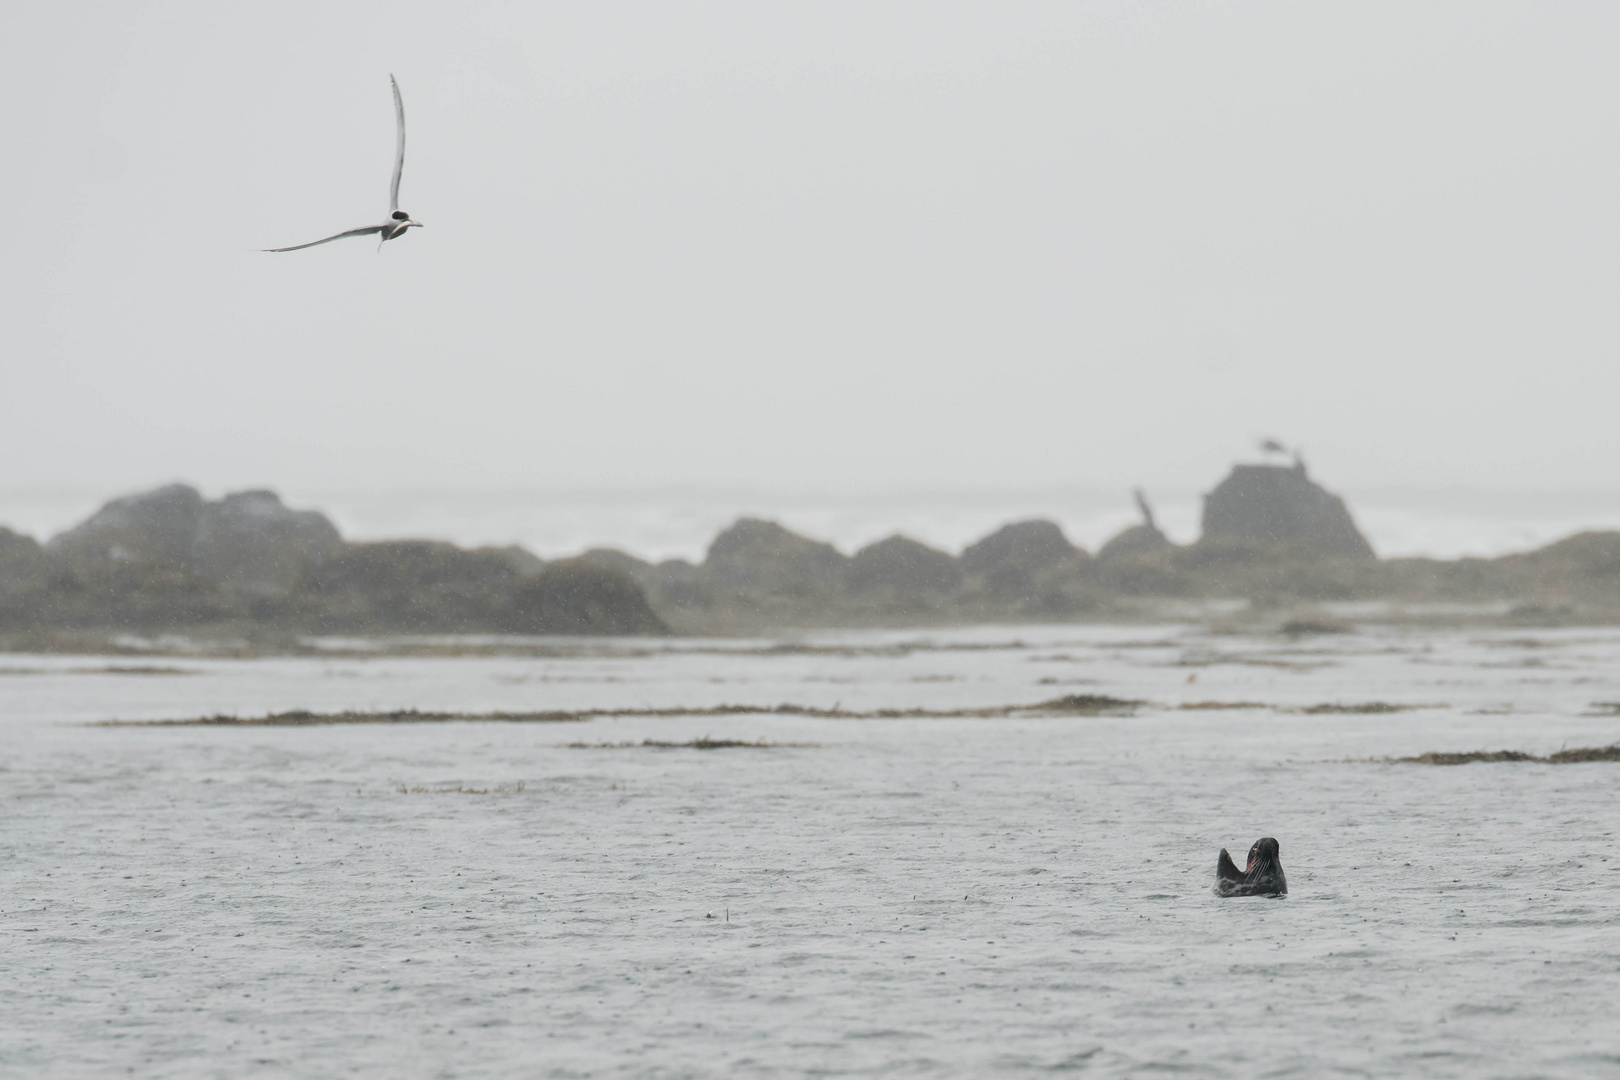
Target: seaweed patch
[1068,705]
[1563,757]
[705,743]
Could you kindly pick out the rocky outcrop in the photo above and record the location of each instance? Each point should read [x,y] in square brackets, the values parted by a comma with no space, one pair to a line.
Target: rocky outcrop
[1580,571]
[1145,540]
[898,578]
[574,596]
[1141,561]
[24,571]
[1133,542]
[1015,557]
[406,586]
[424,586]
[153,526]
[625,563]
[903,565]
[250,541]
[1261,507]
[247,541]
[762,557]
[519,558]
[171,560]
[759,575]
[22,560]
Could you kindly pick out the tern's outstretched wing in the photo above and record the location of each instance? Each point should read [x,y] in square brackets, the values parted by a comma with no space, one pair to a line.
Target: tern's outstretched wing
[368,230]
[399,145]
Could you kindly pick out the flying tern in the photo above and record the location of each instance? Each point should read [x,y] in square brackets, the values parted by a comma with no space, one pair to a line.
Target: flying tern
[398,220]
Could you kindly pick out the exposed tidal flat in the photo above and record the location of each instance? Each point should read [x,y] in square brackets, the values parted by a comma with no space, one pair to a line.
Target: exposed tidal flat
[925,864]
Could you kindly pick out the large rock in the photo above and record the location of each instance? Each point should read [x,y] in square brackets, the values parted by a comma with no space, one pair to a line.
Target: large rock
[1140,561]
[573,596]
[519,558]
[763,558]
[1026,570]
[153,526]
[250,541]
[22,560]
[614,559]
[1143,541]
[247,541]
[24,570]
[427,586]
[1269,506]
[904,565]
[411,586]
[1135,542]
[1583,568]
[1015,554]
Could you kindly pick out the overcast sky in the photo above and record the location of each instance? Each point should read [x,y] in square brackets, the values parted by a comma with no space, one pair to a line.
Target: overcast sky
[837,245]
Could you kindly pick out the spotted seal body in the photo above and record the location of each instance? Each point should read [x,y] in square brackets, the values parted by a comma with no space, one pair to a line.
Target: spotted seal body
[1263,876]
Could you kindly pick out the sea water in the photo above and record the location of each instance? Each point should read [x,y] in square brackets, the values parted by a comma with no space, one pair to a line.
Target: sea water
[1009,895]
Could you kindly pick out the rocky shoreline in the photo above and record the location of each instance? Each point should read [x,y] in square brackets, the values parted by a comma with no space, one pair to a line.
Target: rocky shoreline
[1275,546]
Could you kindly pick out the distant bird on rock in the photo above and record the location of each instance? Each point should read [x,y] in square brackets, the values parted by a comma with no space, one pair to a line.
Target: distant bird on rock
[398,220]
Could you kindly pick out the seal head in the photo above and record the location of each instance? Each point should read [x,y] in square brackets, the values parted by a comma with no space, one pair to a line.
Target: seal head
[1262,877]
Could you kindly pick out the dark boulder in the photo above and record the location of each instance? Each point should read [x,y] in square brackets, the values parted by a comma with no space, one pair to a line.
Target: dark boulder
[614,559]
[1015,554]
[904,565]
[407,586]
[22,561]
[572,596]
[152,526]
[247,541]
[677,584]
[24,572]
[1141,561]
[250,541]
[1146,540]
[1135,542]
[1026,570]
[424,586]
[146,596]
[519,558]
[671,585]
[763,558]
[1584,567]
[1264,507]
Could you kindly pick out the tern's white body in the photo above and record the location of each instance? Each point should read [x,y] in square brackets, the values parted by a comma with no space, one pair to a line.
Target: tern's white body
[398,220]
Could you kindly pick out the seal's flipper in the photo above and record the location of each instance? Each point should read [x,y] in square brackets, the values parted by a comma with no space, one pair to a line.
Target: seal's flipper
[1228,878]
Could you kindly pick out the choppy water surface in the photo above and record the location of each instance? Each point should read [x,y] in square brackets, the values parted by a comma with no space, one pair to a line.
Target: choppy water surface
[910,897]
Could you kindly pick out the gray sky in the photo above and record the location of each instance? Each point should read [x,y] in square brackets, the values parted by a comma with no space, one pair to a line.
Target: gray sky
[841,245]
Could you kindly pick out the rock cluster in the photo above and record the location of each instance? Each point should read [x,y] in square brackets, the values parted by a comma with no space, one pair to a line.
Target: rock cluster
[169,559]
[247,541]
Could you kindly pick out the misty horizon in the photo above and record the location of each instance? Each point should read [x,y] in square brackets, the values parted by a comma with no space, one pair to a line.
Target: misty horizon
[913,245]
